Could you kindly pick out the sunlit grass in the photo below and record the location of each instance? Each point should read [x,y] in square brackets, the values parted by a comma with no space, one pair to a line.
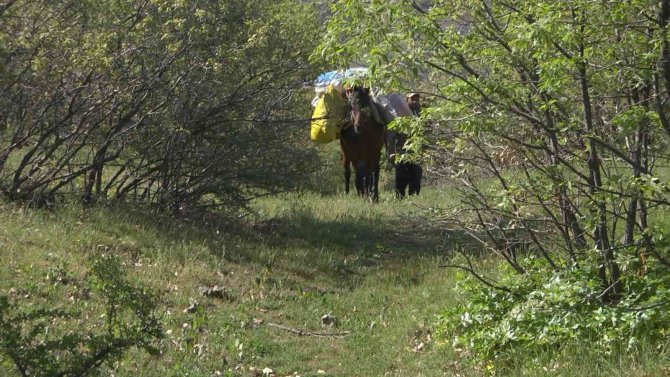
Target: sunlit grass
[375,267]
[299,257]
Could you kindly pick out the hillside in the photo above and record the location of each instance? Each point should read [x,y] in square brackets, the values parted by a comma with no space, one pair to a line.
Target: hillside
[237,297]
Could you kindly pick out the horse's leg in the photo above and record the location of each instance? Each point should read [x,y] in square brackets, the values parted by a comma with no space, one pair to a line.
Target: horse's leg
[347,175]
[369,180]
[375,192]
[361,172]
[346,163]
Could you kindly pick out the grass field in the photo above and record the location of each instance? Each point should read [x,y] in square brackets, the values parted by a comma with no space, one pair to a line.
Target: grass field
[373,268]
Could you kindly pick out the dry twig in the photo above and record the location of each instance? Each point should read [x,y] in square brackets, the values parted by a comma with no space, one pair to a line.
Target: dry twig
[301,332]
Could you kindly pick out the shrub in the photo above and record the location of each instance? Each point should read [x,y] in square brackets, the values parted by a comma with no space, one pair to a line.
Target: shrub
[546,309]
[45,338]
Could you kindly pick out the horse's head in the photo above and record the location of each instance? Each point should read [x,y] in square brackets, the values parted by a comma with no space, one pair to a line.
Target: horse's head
[361,113]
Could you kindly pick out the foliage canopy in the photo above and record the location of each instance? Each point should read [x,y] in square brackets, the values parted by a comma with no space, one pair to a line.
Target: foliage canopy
[172,103]
[550,117]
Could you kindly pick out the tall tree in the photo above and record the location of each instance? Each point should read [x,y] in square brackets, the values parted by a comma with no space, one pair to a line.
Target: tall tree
[571,94]
[169,102]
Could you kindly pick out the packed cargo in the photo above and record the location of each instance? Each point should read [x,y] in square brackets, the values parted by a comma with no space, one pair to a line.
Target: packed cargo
[331,104]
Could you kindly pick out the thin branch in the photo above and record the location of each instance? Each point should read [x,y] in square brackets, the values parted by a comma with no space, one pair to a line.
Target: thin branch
[653,306]
[478,277]
[301,332]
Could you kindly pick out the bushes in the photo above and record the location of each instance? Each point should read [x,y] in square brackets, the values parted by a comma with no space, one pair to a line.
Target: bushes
[546,309]
[104,316]
[172,104]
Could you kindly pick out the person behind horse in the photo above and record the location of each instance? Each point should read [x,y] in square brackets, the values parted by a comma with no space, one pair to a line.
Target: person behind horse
[407,174]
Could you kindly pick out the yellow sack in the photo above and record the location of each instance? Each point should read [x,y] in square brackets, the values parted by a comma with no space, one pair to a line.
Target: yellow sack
[328,117]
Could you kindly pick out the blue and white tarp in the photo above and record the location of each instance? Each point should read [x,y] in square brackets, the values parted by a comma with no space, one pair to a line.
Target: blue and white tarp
[336,78]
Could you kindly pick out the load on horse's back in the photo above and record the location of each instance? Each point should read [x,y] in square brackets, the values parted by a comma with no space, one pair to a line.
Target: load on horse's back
[331,104]
[329,116]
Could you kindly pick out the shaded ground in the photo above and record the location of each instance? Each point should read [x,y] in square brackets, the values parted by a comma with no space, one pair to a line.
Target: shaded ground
[300,258]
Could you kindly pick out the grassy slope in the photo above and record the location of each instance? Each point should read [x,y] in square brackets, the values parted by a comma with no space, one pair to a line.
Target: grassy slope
[305,256]
[373,267]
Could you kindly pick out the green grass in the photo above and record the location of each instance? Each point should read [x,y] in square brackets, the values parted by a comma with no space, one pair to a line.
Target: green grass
[581,359]
[301,257]
[374,267]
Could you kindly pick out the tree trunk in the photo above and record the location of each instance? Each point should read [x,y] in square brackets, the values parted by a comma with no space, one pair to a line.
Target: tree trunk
[611,284]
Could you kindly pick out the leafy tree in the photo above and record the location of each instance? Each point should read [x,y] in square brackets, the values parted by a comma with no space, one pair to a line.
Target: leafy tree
[167,102]
[549,116]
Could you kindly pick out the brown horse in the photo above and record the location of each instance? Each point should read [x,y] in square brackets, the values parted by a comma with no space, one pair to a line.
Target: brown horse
[361,143]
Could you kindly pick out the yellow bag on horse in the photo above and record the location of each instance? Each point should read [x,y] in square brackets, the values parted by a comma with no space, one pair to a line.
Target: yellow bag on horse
[329,116]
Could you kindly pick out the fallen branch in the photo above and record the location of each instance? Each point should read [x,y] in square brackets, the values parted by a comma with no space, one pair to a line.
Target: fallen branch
[301,332]
[413,236]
